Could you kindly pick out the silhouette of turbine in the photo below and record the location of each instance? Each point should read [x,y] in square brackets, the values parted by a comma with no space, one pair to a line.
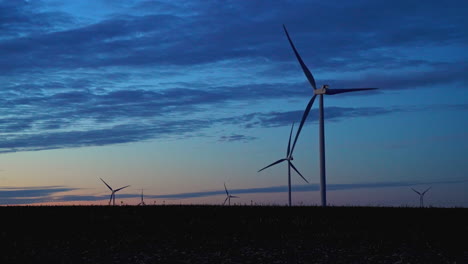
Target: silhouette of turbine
[228,198]
[289,158]
[112,197]
[421,196]
[321,92]
[142,201]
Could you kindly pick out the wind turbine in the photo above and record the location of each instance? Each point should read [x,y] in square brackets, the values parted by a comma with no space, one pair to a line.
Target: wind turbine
[228,198]
[321,92]
[288,158]
[112,197]
[142,202]
[421,196]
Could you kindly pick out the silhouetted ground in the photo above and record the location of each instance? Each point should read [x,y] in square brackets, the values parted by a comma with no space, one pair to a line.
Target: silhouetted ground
[236,234]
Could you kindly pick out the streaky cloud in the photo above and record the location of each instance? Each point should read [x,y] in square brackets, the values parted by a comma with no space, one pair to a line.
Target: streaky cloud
[164,129]
[89,81]
[236,137]
[299,188]
[25,195]
[48,194]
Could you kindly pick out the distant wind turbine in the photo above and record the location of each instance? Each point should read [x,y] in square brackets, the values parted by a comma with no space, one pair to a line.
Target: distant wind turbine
[421,196]
[112,197]
[228,198]
[289,158]
[142,201]
[322,91]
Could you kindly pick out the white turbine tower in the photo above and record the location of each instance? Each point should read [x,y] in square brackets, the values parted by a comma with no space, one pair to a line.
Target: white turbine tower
[421,196]
[228,198]
[289,158]
[321,92]
[112,197]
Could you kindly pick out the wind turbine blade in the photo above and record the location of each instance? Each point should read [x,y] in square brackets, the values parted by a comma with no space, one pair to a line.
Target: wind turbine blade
[426,190]
[225,200]
[339,91]
[110,200]
[416,191]
[106,184]
[304,117]
[306,71]
[289,142]
[227,193]
[121,188]
[274,163]
[292,165]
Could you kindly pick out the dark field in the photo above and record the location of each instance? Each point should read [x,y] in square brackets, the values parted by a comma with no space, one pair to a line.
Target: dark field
[236,234]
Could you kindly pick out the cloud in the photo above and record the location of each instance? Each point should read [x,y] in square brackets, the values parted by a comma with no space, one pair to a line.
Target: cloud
[48,194]
[236,137]
[205,32]
[127,76]
[444,73]
[99,137]
[55,132]
[21,17]
[140,131]
[25,195]
[300,188]
[334,114]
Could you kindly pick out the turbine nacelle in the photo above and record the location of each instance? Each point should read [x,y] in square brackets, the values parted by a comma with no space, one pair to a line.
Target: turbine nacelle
[322,90]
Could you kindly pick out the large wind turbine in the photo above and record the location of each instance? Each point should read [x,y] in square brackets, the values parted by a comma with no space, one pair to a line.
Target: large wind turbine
[421,196]
[288,158]
[112,197]
[321,92]
[228,198]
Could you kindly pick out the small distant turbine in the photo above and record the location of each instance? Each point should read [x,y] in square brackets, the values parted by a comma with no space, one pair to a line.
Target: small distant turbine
[112,197]
[288,158]
[228,198]
[142,201]
[421,196]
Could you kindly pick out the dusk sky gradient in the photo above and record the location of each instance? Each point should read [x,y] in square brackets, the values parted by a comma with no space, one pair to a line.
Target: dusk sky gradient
[178,97]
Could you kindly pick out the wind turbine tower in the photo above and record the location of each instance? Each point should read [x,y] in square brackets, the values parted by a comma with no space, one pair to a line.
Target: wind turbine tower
[288,158]
[320,92]
[421,196]
[228,198]
[142,201]
[112,197]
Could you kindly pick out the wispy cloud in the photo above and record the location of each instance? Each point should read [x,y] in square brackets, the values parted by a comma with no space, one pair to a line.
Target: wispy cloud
[25,195]
[55,133]
[236,137]
[51,194]
[69,81]
[297,188]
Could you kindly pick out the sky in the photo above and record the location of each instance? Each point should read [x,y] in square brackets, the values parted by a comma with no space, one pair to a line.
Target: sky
[176,98]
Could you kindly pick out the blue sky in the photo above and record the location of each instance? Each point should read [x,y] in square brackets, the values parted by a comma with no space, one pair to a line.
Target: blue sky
[178,97]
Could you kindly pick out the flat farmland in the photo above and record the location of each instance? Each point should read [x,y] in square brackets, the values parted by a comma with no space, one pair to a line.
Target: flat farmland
[232,234]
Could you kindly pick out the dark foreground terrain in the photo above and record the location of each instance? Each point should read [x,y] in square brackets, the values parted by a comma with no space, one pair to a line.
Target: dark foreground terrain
[236,234]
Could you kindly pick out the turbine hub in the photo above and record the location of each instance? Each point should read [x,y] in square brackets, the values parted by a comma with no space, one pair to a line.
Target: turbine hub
[322,90]
[290,158]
